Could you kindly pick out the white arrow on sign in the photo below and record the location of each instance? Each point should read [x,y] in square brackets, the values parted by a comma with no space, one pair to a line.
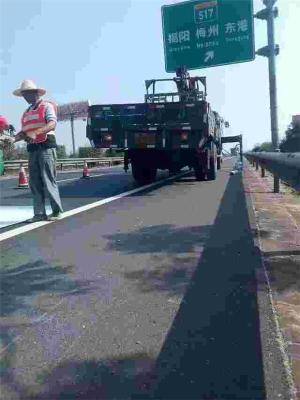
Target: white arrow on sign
[209,55]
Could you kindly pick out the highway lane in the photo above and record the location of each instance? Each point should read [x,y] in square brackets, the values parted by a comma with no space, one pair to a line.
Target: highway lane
[152,295]
[68,181]
[16,204]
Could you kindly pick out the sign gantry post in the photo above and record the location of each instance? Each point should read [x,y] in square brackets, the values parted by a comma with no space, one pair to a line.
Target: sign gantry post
[70,112]
[271,51]
[72,130]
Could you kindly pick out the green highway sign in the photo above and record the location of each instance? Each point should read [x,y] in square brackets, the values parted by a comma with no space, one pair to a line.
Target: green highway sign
[207,33]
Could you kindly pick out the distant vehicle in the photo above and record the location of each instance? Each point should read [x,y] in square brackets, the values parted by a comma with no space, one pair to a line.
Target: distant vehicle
[170,130]
[238,166]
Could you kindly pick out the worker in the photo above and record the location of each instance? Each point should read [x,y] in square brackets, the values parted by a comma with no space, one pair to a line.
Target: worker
[38,126]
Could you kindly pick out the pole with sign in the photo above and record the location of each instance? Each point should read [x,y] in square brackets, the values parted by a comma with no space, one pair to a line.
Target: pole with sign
[271,51]
[207,33]
[70,112]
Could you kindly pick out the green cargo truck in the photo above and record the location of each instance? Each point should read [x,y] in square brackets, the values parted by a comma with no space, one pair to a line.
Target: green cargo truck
[169,130]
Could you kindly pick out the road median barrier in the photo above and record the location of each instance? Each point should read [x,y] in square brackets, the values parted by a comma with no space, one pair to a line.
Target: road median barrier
[285,166]
[12,166]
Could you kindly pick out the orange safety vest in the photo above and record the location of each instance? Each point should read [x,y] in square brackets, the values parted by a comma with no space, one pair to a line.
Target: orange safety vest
[36,118]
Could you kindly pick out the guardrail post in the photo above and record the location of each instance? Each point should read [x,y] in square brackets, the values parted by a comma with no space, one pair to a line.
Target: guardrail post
[276,184]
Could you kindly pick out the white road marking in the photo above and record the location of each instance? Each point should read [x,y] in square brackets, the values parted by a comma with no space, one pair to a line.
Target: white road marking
[11,215]
[35,225]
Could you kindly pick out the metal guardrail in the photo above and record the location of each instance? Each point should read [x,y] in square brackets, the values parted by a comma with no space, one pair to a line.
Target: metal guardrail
[284,165]
[60,163]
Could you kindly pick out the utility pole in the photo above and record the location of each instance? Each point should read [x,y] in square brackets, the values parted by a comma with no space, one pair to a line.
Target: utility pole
[271,51]
[73,137]
[241,148]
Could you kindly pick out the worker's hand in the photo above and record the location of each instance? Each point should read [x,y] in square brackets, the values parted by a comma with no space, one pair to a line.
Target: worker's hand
[19,136]
[31,135]
[28,140]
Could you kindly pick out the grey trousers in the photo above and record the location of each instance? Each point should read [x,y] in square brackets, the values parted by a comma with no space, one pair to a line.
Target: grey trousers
[42,180]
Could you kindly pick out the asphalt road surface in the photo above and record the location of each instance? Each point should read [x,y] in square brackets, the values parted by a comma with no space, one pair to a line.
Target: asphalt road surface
[152,295]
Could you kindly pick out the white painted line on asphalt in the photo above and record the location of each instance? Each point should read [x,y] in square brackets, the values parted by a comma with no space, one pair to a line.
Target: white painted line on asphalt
[35,225]
[12,215]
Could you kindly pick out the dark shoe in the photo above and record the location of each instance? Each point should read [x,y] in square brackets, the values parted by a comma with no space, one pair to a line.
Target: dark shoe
[55,216]
[38,218]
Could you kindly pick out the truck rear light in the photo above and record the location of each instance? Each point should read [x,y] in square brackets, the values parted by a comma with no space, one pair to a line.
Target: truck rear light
[184,136]
[153,106]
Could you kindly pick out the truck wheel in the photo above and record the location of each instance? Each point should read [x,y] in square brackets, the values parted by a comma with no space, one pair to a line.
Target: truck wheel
[199,172]
[211,173]
[219,161]
[143,175]
[150,174]
[174,169]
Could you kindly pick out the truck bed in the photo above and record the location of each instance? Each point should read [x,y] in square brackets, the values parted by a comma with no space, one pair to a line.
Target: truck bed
[116,125]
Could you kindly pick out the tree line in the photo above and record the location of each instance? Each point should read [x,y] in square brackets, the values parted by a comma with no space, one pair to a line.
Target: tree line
[290,144]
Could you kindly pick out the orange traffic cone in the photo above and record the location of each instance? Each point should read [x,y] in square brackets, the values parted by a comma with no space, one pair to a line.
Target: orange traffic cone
[85,172]
[23,181]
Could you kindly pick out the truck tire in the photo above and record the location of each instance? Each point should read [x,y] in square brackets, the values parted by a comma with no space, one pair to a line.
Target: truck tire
[219,161]
[212,173]
[174,169]
[199,172]
[143,175]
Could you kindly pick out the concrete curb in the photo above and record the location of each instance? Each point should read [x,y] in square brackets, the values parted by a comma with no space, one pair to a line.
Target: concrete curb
[262,277]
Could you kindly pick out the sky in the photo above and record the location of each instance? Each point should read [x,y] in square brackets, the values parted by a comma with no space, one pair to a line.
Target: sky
[103,50]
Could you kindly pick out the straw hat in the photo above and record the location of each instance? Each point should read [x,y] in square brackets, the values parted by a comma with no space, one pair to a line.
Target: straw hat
[28,85]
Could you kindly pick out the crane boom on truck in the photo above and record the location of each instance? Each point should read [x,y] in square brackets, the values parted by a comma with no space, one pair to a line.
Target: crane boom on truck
[170,130]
